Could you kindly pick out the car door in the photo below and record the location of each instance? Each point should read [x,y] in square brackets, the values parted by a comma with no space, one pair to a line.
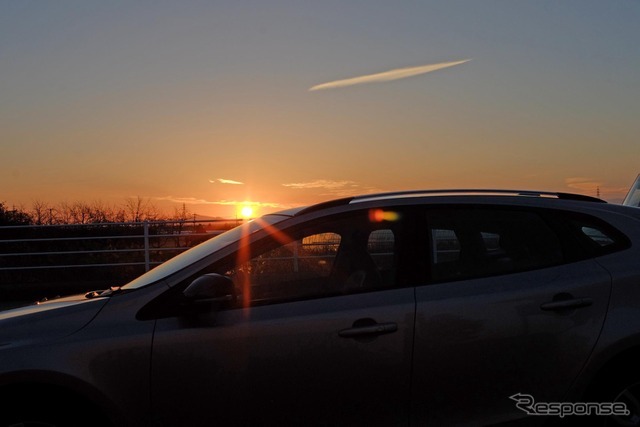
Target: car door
[509,311]
[320,333]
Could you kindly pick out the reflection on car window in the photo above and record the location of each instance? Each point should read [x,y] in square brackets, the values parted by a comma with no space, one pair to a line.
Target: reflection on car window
[348,254]
[597,236]
[290,270]
[381,247]
[445,246]
[467,243]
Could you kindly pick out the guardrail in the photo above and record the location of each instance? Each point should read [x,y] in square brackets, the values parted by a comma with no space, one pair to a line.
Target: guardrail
[146,238]
[39,261]
[142,238]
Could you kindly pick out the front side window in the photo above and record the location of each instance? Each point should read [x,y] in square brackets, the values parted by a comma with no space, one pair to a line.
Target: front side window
[479,242]
[348,253]
[297,269]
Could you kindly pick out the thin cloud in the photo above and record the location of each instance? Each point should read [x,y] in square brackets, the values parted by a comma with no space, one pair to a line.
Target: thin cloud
[583,185]
[196,201]
[387,76]
[321,183]
[249,203]
[226,181]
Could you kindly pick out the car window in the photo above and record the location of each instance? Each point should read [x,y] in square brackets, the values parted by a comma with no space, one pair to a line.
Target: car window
[334,256]
[445,246]
[296,269]
[478,242]
[381,247]
[594,237]
[597,236]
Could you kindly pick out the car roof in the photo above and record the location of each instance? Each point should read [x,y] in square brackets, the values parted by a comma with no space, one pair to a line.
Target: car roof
[476,192]
[413,194]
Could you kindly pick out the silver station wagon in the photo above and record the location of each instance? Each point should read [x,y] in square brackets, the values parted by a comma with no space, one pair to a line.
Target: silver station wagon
[438,308]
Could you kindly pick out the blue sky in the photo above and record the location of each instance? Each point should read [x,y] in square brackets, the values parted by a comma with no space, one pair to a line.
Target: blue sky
[163,100]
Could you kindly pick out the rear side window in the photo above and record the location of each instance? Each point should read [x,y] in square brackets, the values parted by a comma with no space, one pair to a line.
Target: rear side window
[478,242]
[597,236]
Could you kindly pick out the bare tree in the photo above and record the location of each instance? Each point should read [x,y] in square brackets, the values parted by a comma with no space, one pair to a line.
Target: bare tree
[101,212]
[78,213]
[136,209]
[139,209]
[64,214]
[182,214]
[41,213]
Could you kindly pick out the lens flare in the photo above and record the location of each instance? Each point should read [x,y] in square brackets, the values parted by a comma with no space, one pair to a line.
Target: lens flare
[379,215]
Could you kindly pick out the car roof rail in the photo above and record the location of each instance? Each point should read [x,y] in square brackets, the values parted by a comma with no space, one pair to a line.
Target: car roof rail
[475,192]
[453,192]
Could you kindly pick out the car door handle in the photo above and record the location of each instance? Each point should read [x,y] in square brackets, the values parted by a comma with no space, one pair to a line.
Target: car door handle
[566,304]
[375,329]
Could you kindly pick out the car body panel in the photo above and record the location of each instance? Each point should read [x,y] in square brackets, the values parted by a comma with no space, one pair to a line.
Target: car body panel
[106,360]
[286,364]
[47,321]
[480,341]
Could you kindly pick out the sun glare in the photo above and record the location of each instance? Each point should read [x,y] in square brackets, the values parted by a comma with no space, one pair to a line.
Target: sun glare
[246,212]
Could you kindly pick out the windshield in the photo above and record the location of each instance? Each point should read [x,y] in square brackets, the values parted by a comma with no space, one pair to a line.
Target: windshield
[202,250]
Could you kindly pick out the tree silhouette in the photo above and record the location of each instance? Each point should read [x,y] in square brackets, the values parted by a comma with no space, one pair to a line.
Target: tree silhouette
[13,216]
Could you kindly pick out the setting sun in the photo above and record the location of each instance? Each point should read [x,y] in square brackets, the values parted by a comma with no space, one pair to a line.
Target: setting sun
[246,212]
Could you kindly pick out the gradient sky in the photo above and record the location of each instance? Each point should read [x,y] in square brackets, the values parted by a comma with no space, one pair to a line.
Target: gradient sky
[208,103]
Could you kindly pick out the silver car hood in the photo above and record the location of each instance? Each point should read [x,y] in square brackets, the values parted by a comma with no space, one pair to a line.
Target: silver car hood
[47,321]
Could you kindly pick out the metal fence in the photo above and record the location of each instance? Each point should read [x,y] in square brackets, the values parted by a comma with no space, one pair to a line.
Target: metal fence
[46,261]
[148,243]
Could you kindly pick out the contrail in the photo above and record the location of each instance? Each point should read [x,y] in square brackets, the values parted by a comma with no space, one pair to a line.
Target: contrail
[387,76]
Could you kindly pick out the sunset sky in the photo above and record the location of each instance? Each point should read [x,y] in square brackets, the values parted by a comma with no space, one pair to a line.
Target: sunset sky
[286,103]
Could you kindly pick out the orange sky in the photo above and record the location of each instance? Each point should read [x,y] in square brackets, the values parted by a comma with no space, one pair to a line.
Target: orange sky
[210,104]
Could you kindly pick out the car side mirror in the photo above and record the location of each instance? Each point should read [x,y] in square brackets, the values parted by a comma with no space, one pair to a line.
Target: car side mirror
[210,288]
